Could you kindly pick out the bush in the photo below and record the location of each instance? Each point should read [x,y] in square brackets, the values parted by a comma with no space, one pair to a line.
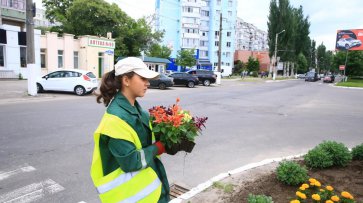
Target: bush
[338,151]
[259,199]
[291,173]
[318,158]
[357,152]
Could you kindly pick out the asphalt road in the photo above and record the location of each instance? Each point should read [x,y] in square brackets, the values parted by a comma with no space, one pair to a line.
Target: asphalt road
[46,143]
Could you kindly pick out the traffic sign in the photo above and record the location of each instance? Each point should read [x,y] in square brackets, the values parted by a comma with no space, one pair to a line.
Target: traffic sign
[342,67]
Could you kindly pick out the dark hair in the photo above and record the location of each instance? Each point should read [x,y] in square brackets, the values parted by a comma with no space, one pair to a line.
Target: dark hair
[110,85]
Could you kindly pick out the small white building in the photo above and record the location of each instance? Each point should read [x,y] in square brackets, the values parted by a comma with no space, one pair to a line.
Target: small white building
[90,53]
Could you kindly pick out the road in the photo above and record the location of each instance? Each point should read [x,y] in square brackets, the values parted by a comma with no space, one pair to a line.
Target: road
[46,144]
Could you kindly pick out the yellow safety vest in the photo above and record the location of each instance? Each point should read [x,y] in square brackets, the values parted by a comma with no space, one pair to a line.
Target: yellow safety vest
[118,186]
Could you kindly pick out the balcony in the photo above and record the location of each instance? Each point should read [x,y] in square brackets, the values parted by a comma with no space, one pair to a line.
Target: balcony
[190,25]
[13,11]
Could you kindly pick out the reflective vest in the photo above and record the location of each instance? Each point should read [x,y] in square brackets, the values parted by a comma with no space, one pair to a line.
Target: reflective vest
[118,186]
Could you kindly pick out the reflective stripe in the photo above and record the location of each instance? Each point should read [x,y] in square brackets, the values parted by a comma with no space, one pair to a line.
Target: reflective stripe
[143,160]
[116,182]
[143,193]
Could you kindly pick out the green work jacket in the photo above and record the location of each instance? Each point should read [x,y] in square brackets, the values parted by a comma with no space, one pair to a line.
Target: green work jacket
[121,153]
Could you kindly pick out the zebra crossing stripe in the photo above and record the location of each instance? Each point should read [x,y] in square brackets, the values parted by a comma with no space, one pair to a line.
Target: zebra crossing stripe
[31,192]
[4,175]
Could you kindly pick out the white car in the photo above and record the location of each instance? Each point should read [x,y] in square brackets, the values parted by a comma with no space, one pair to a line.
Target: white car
[348,43]
[71,80]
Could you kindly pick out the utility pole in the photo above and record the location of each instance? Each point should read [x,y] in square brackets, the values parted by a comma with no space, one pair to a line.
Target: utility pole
[220,42]
[275,63]
[30,56]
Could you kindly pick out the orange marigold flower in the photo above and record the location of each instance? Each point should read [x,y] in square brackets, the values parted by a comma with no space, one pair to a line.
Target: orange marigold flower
[295,201]
[301,195]
[317,184]
[347,195]
[302,188]
[322,190]
[335,198]
[330,188]
[315,197]
[329,201]
[312,180]
[305,185]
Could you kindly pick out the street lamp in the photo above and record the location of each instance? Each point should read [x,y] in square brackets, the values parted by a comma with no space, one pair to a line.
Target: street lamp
[275,62]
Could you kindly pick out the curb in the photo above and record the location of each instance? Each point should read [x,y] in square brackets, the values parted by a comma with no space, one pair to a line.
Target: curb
[201,187]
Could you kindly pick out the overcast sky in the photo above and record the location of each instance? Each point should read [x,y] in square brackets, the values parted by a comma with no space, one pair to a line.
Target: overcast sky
[325,16]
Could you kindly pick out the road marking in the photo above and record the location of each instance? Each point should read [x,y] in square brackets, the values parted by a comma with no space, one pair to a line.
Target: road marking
[25,169]
[32,192]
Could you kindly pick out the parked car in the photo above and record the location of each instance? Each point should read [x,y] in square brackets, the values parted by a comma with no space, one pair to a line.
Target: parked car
[348,43]
[162,82]
[311,76]
[185,79]
[301,76]
[206,77]
[329,78]
[73,80]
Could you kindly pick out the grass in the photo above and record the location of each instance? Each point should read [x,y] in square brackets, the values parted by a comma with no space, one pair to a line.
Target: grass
[227,188]
[351,83]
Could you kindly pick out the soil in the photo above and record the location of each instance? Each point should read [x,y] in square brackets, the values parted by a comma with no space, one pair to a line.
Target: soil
[262,180]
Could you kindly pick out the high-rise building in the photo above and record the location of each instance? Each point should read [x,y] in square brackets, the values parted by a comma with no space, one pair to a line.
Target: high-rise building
[195,24]
[249,37]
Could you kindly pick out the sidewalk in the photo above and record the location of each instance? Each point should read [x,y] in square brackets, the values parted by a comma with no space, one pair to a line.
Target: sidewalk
[14,91]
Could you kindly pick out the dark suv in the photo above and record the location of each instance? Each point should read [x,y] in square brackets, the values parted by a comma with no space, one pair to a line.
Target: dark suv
[184,79]
[206,77]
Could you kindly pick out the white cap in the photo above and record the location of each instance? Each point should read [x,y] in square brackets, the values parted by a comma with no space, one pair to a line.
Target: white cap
[133,64]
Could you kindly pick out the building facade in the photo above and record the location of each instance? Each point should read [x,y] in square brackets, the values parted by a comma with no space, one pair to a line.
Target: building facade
[195,24]
[91,53]
[249,37]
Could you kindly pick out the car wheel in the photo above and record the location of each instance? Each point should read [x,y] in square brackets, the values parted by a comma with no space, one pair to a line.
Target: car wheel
[162,86]
[206,82]
[79,90]
[347,46]
[39,88]
[190,84]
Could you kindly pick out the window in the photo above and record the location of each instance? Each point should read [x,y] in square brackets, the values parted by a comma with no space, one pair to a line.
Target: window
[42,58]
[227,64]
[229,13]
[218,13]
[204,53]
[2,55]
[203,43]
[228,54]
[215,64]
[22,56]
[229,34]
[228,44]
[216,33]
[75,60]
[218,2]
[230,3]
[60,58]
[216,43]
[205,13]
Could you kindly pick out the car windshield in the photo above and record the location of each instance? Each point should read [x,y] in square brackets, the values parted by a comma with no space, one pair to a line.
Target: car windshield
[311,74]
[91,75]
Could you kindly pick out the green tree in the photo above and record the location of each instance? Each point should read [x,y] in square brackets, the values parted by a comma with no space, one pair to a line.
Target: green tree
[253,65]
[56,10]
[185,58]
[97,17]
[238,67]
[302,64]
[354,65]
[156,50]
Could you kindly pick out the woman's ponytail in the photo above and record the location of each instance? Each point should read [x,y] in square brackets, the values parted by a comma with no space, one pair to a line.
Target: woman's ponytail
[110,85]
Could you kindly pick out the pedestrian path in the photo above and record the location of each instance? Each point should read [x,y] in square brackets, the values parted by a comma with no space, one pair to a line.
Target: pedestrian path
[28,192]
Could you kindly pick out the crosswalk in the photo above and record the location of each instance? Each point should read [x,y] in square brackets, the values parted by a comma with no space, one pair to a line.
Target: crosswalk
[28,193]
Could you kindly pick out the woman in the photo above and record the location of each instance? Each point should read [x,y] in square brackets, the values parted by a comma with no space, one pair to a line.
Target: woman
[125,166]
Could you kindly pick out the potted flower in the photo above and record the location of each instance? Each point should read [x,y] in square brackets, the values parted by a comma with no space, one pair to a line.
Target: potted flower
[175,128]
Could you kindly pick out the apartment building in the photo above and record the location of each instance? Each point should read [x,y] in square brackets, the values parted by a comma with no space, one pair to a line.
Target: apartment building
[249,37]
[195,24]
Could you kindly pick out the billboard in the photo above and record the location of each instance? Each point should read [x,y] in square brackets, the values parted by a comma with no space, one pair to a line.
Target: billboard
[349,40]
